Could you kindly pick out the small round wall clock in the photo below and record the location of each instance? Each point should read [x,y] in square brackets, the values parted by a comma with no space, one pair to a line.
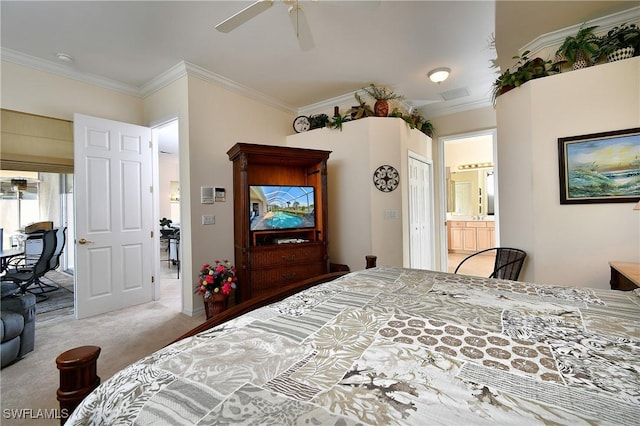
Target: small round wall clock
[386,178]
[301,124]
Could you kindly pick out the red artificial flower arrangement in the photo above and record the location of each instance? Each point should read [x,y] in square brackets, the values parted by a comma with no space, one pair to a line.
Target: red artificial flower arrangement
[217,278]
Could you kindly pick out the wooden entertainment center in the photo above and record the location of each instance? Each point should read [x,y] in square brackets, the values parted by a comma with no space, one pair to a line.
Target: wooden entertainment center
[265,261]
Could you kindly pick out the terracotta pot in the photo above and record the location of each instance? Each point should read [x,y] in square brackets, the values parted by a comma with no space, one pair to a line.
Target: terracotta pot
[215,304]
[381,108]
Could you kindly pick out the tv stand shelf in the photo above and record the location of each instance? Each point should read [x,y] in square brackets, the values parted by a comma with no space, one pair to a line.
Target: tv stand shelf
[263,266]
[264,238]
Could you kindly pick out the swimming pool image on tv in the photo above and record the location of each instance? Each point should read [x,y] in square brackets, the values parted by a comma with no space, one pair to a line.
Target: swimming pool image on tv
[281,207]
[281,220]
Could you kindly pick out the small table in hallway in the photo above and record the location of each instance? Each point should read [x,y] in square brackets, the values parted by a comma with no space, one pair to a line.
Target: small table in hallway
[173,249]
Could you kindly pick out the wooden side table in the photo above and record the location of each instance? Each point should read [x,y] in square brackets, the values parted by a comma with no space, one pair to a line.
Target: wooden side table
[624,275]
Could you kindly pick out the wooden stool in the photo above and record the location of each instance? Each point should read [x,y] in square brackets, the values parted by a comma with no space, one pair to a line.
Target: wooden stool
[78,377]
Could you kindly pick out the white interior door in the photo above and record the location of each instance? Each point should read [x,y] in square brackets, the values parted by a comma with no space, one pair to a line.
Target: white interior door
[113,221]
[421,246]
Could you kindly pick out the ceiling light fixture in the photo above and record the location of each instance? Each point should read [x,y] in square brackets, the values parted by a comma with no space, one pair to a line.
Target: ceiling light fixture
[64,57]
[439,75]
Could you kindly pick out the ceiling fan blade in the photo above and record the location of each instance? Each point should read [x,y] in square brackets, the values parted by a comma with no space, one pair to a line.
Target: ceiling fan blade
[301,27]
[244,15]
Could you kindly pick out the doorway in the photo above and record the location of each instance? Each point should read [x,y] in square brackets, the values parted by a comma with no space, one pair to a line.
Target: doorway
[470,206]
[166,139]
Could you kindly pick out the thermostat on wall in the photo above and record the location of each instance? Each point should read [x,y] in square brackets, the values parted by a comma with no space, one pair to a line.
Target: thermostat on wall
[221,195]
[206,194]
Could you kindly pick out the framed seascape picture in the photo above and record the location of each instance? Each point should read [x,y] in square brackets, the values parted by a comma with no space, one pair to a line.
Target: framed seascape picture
[600,168]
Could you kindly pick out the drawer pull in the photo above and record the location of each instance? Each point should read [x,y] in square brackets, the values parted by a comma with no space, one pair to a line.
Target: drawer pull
[289,277]
[289,258]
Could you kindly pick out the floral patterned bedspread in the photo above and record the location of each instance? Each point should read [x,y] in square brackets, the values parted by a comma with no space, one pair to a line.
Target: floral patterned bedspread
[396,346]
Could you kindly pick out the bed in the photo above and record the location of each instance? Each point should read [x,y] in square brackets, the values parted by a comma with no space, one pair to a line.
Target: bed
[399,346]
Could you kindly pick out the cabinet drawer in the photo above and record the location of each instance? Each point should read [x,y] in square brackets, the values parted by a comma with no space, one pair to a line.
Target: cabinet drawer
[266,280]
[287,254]
[457,223]
[476,224]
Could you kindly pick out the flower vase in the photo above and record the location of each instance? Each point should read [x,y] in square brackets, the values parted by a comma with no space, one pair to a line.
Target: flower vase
[215,304]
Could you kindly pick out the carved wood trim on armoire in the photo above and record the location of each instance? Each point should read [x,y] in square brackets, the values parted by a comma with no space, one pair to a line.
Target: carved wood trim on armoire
[267,259]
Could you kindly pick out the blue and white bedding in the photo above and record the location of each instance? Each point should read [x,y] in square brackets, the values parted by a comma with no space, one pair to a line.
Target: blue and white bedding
[389,346]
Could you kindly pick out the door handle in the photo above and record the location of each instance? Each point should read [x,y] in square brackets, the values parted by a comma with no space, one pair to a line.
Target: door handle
[82,241]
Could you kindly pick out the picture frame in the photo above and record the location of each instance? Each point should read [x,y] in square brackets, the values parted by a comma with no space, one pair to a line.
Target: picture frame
[600,167]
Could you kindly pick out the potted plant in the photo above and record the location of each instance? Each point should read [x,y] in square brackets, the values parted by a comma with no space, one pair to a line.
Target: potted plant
[318,121]
[525,69]
[620,42]
[338,120]
[361,110]
[215,285]
[427,128]
[382,95]
[415,121]
[579,50]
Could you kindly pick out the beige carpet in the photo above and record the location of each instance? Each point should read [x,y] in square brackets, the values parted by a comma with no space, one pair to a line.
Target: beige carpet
[126,335]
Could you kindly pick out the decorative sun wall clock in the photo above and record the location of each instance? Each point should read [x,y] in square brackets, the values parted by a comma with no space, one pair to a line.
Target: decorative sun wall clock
[386,178]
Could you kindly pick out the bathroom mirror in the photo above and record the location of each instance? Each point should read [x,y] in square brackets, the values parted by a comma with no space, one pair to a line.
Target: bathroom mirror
[470,192]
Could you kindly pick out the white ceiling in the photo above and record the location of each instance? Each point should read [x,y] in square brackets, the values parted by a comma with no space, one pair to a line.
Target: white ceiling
[391,43]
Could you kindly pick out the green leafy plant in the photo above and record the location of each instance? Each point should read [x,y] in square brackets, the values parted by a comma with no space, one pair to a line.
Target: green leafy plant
[318,121]
[524,70]
[427,128]
[164,222]
[361,110]
[582,46]
[415,121]
[620,37]
[338,120]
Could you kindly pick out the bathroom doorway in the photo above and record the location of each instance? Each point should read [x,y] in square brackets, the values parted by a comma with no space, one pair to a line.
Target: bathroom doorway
[470,206]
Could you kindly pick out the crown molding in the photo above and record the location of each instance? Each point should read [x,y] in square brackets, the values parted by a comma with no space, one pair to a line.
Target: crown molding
[164,79]
[66,71]
[604,24]
[347,98]
[186,68]
[440,109]
[325,105]
[167,77]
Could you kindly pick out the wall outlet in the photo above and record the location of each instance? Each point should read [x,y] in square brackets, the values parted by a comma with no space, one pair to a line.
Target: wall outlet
[208,219]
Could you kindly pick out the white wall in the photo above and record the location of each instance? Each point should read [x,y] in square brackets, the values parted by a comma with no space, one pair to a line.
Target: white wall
[218,119]
[169,168]
[567,244]
[37,92]
[357,222]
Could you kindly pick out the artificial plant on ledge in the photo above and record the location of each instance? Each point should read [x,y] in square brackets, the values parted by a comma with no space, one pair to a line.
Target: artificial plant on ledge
[363,110]
[524,70]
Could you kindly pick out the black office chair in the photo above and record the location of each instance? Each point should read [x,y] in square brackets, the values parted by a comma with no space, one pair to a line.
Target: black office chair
[507,265]
[54,263]
[25,278]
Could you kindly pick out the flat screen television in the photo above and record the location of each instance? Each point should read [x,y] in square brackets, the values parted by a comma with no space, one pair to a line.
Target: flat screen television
[276,207]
